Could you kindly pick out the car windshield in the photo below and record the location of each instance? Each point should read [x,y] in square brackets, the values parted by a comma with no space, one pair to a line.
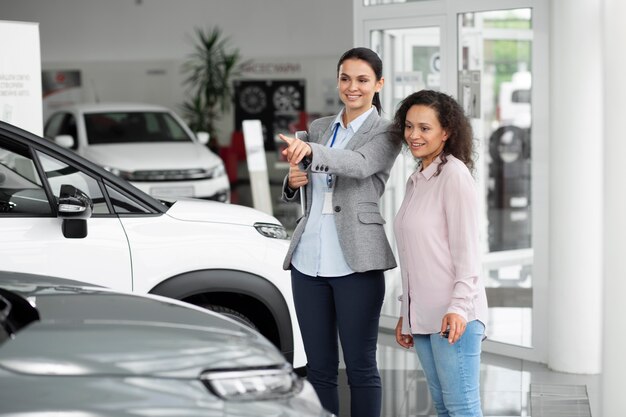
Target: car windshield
[133,127]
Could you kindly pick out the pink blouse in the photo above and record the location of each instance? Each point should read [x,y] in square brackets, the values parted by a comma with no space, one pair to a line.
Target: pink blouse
[436,231]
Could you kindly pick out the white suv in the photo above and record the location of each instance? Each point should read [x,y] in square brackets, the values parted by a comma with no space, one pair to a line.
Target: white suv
[150,146]
[514,107]
[64,216]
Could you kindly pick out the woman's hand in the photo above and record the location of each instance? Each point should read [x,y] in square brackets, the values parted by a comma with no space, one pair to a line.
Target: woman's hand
[404,340]
[297,177]
[296,149]
[455,325]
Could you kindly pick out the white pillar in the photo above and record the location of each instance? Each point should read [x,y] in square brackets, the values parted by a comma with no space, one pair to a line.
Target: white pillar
[576,187]
[614,338]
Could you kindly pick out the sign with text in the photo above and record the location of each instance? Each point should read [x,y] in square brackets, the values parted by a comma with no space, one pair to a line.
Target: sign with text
[469,92]
[270,68]
[20,76]
[409,78]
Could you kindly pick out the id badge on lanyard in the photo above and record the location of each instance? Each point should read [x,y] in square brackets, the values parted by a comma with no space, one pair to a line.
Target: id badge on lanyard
[327,208]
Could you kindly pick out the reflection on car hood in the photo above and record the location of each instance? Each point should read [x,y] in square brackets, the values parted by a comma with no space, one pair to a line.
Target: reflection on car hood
[108,396]
[153,155]
[211,211]
[90,331]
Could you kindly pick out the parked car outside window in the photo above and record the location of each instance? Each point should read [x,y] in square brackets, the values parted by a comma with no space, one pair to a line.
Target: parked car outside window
[63,215]
[69,348]
[150,146]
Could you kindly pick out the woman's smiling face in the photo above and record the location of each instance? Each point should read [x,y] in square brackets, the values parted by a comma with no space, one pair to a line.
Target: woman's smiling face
[423,133]
[357,85]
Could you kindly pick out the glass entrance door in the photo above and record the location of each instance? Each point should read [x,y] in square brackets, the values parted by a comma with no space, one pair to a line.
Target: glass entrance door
[411,62]
[483,53]
[495,86]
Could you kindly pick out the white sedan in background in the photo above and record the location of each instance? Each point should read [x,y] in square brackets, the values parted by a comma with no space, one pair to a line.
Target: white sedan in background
[148,145]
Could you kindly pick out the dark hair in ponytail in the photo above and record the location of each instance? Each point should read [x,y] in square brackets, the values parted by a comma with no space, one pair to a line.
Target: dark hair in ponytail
[373,60]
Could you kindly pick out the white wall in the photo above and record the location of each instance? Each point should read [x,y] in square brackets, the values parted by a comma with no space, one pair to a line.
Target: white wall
[118,30]
[132,50]
[161,82]
[614,338]
[576,191]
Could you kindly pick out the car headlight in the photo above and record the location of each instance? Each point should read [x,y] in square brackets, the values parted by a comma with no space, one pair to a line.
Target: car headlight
[252,384]
[218,171]
[274,231]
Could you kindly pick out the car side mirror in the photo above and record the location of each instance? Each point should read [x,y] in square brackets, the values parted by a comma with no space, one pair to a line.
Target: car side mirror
[203,137]
[66,141]
[75,207]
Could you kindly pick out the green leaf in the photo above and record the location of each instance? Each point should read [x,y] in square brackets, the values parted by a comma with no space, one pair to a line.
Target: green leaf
[208,75]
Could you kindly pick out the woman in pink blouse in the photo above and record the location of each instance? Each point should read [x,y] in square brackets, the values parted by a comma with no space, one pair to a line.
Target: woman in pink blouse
[444,305]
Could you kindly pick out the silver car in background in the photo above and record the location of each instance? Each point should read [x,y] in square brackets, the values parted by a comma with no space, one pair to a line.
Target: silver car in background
[70,348]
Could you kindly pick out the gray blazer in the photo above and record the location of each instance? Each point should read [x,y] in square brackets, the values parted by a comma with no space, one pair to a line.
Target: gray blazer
[361,169]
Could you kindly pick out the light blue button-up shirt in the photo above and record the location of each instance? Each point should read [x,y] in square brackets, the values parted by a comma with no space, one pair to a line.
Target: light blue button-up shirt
[318,253]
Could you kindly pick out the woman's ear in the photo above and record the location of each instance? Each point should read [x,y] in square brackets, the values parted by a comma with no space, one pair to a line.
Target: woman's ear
[379,84]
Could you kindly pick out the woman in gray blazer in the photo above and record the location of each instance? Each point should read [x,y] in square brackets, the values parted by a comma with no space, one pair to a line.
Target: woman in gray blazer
[339,249]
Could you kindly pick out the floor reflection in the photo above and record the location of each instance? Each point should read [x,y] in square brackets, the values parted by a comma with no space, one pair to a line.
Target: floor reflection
[505,384]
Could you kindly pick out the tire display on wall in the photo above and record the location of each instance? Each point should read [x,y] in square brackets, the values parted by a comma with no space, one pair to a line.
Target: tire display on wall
[287,98]
[252,99]
[276,103]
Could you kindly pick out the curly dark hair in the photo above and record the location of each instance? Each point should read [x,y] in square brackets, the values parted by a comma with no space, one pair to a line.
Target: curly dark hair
[460,142]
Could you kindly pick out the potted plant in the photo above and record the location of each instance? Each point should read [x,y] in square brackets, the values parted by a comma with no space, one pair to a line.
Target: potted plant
[208,77]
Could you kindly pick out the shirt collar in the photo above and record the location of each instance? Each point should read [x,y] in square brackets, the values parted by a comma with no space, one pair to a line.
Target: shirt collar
[430,169]
[356,123]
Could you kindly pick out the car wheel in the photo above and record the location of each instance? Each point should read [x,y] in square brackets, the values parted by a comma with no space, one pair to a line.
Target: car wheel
[232,314]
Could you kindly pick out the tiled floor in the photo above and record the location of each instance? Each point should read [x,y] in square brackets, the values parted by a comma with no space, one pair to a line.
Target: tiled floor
[505,384]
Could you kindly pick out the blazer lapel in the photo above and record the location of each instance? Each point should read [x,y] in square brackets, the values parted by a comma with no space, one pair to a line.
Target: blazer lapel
[325,136]
[361,134]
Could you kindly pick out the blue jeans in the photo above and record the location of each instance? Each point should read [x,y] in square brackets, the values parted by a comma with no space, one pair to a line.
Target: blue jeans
[453,371]
[347,306]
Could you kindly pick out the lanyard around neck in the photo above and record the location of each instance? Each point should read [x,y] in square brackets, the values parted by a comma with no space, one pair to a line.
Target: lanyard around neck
[332,142]
[329,177]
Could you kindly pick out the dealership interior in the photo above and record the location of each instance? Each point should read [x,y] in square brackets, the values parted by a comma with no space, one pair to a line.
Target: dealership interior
[541,82]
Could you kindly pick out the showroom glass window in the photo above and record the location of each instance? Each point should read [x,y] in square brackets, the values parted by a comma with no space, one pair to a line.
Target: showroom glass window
[494,87]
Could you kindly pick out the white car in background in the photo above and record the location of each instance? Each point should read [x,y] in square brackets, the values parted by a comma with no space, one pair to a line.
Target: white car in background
[514,107]
[148,145]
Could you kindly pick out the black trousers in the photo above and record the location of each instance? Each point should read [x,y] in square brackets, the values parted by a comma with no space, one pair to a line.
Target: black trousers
[347,306]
